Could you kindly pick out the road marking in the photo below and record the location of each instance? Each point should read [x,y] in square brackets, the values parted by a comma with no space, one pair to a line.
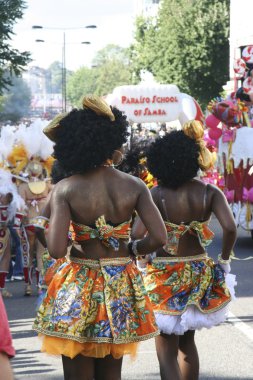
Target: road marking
[237,322]
[240,325]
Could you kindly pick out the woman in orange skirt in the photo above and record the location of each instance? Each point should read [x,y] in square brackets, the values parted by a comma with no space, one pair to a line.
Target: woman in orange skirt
[187,289]
[96,308]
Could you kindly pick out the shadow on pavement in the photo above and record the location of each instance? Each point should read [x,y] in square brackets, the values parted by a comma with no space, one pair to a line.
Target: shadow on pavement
[25,363]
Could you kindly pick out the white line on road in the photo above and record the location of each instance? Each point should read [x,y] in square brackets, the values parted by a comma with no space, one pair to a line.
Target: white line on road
[240,325]
[237,322]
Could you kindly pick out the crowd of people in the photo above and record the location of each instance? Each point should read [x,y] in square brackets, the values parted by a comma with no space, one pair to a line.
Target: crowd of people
[116,262]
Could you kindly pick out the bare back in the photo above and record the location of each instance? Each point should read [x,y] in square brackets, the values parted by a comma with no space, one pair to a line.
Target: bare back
[103,191]
[194,201]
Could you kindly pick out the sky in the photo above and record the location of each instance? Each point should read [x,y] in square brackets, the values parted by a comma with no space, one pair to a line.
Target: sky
[114,20]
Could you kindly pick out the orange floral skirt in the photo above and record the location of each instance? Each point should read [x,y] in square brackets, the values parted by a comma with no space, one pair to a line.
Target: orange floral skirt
[95,308]
[188,293]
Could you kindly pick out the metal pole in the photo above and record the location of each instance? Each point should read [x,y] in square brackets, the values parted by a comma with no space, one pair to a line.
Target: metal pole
[64,87]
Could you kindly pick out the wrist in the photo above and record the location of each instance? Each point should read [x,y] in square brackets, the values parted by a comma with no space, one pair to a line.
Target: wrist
[223,261]
[132,246]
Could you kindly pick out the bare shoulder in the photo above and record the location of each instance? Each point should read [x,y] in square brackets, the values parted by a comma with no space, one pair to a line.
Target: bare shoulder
[62,188]
[214,190]
[155,193]
[132,179]
[215,195]
[211,189]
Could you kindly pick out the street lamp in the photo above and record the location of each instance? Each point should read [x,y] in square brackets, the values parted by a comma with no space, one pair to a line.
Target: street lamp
[64,71]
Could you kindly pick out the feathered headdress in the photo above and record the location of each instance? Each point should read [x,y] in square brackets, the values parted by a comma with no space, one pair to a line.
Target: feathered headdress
[25,145]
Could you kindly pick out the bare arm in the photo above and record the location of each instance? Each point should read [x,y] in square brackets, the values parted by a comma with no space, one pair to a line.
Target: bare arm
[57,240]
[149,220]
[40,232]
[139,230]
[21,191]
[223,213]
[6,370]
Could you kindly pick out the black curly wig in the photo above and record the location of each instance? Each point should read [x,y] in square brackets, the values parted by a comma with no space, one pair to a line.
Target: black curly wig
[173,159]
[85,140]
[133,155]
[57,172]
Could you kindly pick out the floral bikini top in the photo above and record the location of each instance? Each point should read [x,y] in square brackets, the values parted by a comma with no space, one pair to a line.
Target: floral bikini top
[107,233]
[176,231]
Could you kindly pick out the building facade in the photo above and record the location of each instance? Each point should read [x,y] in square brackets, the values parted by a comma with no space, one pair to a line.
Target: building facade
[146,8]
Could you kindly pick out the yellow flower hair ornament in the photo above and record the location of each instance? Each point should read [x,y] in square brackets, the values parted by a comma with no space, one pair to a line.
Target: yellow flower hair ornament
[98,105]
[51,128]
[195,130]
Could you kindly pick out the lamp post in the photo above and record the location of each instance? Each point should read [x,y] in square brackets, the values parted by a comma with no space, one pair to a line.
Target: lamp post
[64,71]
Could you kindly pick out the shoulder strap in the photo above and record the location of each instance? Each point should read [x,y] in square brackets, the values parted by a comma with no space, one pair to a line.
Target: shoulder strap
[204,202]
[163,204]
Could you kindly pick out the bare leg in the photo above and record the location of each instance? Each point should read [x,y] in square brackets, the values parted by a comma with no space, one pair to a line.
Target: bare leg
[4,268]
[28,271]
[108,368]
[39,253]
[167,352]
[6,371]
[78,368]
[188,356]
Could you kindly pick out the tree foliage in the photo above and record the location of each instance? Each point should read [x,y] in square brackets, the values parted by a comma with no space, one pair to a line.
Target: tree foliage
[80,83]
[187,45]
[110,68]
[11,60]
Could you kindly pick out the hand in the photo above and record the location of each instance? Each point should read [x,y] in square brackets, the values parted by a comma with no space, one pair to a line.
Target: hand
[142,261]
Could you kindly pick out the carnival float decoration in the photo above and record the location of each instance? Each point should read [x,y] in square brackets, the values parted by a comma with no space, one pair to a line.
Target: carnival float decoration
[230,132]
[243,69]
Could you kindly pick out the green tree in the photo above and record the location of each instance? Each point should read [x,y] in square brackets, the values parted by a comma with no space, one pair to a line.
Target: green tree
[109,53]
[110,68]
[11,60]
[15,101]
[80,83]
[187,45]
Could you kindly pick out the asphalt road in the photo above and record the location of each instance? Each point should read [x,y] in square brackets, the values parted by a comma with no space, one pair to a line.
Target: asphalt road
[226,351]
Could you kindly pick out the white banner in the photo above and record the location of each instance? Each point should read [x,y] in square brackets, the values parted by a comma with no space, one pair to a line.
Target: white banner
[156,103]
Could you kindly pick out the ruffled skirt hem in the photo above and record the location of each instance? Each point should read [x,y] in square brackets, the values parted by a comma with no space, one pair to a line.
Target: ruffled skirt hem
[192,318]
[60,346]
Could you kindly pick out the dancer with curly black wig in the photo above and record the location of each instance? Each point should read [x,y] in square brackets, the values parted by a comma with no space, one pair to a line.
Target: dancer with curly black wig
[96,308]
[187,289]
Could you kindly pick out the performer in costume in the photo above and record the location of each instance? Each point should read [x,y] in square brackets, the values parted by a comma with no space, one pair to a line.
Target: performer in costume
[30,158]
[34,194]
[12,208]
[96,305]
[188,290]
